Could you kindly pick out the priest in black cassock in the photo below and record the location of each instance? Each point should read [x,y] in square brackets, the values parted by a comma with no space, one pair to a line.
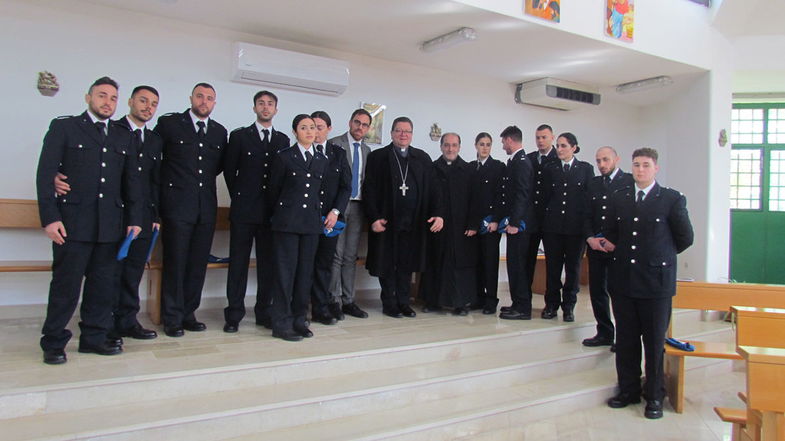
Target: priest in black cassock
[450,279]
[403,207]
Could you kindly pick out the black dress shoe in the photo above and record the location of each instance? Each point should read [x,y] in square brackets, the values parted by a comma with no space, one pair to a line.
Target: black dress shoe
[337,311]
[194,326]
[407,311]
[325,319]
[304,331]
[393,312]
[515,315]
[230,328]
[266,322]
[460,311]
[505,309]
[597,341]
[54,356]
[548,313]
[429,309]
[568,316]
[653,409]
[102,349]
[288,335]
[353,310]
[114,341]
[622,400]
[174,331]
[139,333]
[476,306]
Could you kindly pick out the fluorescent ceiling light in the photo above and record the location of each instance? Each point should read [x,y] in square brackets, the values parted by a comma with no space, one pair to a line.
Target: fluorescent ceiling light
[647,84]
[450,39]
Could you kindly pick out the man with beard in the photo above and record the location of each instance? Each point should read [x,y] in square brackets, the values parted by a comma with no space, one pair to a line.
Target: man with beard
[85,226]
[345,266]
[601,188]
[247,168]
[402,206]
[194,146]
[452,252]
[540,158]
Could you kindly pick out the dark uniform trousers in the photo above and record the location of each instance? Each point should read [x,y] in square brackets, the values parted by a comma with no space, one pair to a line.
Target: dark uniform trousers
[241,238]
[533,250]
[562,251]
[294,256]
[599,263]
[323,271]
[130,272]
[396,288]
[488,269]
[520,285]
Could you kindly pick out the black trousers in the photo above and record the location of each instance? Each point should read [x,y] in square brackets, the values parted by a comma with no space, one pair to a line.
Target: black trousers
[531,254]
[636,320]
[562,251]
[131,270]
[241,240]
[520,285]
[294,256]
[396,285]
[186,248]
[73,261]
[598,292]
[322,274]
[488,269]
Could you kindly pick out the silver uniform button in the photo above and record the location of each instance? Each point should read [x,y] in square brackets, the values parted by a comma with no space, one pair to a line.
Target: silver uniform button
[657,220]
[565,193]
[564,202]
[103,179]
[306,185]
[305,206]
[140,168]
[664,264]
[307,175]
[200,184]
[603,218]
[103,164]
[634,233]
[633,247]
[305,195]
[100,195]
[562,212]
[635,219]
[104,149]
[200,158]
[201,145]
[249,153]
[603,207]
[632,260]
[200,172]
[605,197]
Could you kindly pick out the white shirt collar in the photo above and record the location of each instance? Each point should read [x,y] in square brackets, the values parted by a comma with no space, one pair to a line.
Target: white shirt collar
[568,162]
[546,153]
[645,190]
[195,118]
[483,161]
[614,173]
[303,150]
[260,127]
[133,126]
[351,140]
[95,119]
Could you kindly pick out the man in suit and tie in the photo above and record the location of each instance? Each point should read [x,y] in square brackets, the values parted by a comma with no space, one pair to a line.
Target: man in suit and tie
[540,158]
[142,106]
[649,227]
[601,188]
[345,262]
[86,225]
[193,150]
[519,208]
[334,197]
[247,169]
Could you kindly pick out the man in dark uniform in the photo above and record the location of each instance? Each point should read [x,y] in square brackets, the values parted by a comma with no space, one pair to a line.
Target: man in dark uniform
[601,188]
[402,206]
[334,197]
[142,105]
[99,158]
[540,158]
[519,208]
[650,226]
[450,279]
[194,146]
[489,183]
[247,163]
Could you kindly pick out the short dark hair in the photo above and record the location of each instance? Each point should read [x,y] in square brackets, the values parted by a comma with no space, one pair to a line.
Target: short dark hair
[646,152]
[205,85]
[262,93]
[362,112]
[102,81]
[571,140]
[482,135]
[322,115]
[150,89]
[544,127]
[402,119]
[299,118]
[512,132]
[441,141]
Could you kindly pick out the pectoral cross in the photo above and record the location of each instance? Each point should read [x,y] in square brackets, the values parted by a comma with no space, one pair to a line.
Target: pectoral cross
[403,189]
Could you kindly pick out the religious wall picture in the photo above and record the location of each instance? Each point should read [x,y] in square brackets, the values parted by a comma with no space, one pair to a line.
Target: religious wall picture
[620,19]
[548,9]
[374,135]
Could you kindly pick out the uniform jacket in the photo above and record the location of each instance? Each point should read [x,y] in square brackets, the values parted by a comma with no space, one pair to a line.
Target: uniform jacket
[294,192]
[189,168]
[647,237]
[518,195]
[247,169]
[103,177]
[343,142]
[337,181]
[539,181]
[149,167]
[488,181]
[566,204]
[599,201]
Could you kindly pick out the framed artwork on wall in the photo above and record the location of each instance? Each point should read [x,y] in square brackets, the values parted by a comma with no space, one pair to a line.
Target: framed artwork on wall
[620,19]
[374,135]
[546,9]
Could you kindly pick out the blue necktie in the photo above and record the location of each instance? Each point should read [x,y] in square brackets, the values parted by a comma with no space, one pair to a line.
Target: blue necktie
[356,170]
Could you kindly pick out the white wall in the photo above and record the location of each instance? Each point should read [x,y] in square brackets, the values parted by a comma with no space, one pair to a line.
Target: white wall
[80,44]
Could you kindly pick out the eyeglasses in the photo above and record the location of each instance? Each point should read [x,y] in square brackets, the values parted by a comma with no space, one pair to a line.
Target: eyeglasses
[402,132]
[361,124]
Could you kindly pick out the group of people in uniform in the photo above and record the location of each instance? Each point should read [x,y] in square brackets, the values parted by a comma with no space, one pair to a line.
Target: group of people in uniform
[304,203]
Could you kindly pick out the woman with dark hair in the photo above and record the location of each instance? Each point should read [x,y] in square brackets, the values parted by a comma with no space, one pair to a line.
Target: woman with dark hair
[566,209]
[295,184]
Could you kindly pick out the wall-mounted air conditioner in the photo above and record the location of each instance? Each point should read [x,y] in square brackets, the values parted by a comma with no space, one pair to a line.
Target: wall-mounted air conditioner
[279,69]
[556,94]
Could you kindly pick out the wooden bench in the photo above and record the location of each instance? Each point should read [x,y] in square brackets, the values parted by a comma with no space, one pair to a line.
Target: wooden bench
[715,297]
[765,407]
[21,214]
